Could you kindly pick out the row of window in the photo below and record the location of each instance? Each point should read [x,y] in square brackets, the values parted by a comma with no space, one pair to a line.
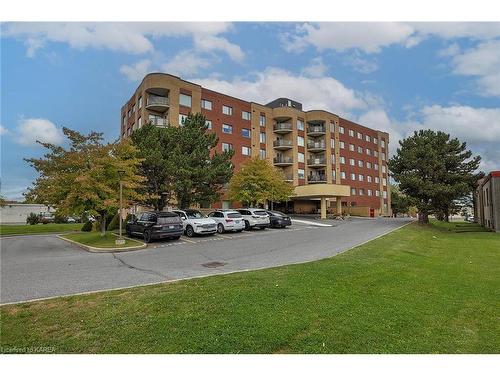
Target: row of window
[361,192]
[360,163]
[245,150]
[360,178]
[359,149]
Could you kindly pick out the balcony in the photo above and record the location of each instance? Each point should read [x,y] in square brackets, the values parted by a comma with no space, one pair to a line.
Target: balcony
[158,121]
[282,144]
[157,103]
[316,146]
[288,177]
[316,130]
[283,161]
[316,162]
[283,127]
[316,179]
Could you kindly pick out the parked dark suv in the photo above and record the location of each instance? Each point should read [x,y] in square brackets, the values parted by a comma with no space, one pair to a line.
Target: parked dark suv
[154,225]
[279,219]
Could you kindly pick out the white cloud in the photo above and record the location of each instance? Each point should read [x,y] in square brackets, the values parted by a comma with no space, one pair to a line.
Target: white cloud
[359,64]
[185,63]
[371,37]
[130,37]
[37,129]
[137,71]
[316,68]
[313,92]
[482,62]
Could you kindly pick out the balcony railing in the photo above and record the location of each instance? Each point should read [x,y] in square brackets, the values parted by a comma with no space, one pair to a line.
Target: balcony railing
[157,100]
[283,127]
[316,178]
[316,129]
[282,143]
[316,145]
[283,160]
[158,121]
[316,162]
[288,177]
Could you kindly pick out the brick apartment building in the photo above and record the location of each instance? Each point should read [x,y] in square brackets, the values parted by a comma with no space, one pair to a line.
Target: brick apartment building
[487,201]
[333,163]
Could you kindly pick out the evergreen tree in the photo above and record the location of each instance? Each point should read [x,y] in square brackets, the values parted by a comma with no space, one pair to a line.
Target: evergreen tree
[434,170]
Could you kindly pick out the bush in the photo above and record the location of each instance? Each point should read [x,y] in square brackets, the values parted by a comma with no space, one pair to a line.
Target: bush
[60,219]
[114,223]
[87,226]
[32,219]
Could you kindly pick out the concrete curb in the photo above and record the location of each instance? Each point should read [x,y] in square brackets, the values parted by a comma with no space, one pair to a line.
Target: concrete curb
[93,249]
[37,234]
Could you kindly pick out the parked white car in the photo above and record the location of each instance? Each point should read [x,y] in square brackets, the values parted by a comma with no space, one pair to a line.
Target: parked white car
[227,220]
[194,222]
[255,218]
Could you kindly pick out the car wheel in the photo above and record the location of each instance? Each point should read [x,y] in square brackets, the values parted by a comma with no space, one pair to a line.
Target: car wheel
[220,228]
[147,236]
[189,231]
[247,225]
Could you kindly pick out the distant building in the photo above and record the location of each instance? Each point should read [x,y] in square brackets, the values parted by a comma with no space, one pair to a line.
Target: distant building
[487,201]
[16,213]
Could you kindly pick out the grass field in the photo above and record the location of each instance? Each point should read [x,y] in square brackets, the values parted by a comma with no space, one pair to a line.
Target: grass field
[38,228]
[416,290]
[95,239]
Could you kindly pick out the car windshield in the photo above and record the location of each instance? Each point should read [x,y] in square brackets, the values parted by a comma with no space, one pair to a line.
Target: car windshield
[260,213]
[167,219]
[234,215]
[277,213]
[195,215]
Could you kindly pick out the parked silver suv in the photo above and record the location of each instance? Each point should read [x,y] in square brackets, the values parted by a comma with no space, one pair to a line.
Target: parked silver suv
[255,218]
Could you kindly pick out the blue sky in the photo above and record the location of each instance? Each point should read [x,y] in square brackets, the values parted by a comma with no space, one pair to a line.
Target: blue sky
[397,77]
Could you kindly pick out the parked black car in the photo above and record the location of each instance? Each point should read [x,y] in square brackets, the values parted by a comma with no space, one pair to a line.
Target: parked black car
[155,225]
[279,219]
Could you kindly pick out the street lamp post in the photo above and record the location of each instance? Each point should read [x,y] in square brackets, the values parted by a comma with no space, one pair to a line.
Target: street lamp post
[120,240]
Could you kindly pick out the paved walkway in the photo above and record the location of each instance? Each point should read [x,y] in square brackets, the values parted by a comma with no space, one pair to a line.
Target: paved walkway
[44,266]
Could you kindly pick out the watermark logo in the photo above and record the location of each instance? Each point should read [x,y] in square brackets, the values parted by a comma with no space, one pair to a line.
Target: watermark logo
[27,349]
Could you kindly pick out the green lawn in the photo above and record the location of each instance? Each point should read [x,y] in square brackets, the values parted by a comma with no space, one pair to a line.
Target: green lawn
[96,240]
[416,290]
[38,228]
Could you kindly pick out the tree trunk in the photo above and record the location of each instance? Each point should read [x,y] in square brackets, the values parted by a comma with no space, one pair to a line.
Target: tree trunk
[103,224]
[423,218]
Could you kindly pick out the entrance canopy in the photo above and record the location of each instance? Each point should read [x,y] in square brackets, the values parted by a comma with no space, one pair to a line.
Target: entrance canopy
[322,191]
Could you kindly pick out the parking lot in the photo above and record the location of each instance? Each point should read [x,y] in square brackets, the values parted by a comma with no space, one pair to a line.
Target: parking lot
[44,266]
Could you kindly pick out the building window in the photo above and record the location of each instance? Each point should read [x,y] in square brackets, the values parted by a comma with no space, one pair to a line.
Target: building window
[353,176]
[185,100]
[360,163]
[129,113]
[361,177]
[342,175]
[300,157]
[352,162]
[206,104]
[341,130]
[353,191]
[139,103]
[383,156]
[367,138]
[124,120]
[227,110]
[208,124]
[360,136]
[375,166]
[384,194]
[377,193]
[351,147]
[375,153]
[383,169]
[361,191]
[301,173]
[334,175]
[228,129]
[342,160]
[300,141]
[351,133]
[300,124]
[262,154]
[368,165]
[246,151]
[133,108]
[227,146]
[245,133]
[139,122]
[360,150]
[332,143]
[377,180]
[375,140]
[370,192]
[332,127]
[246,115]
[368,152]
[262,137]
[342,144]
[182,119]
[369,178]
[262,120]
[333,158]
[384,182]
[382,143]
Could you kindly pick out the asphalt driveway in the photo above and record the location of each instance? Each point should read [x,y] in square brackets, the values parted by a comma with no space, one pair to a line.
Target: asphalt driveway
[44,266]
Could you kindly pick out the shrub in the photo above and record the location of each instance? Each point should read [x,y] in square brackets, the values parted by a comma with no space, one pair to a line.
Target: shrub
[87,226]
[32,219]
[114,223]
[60,219]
